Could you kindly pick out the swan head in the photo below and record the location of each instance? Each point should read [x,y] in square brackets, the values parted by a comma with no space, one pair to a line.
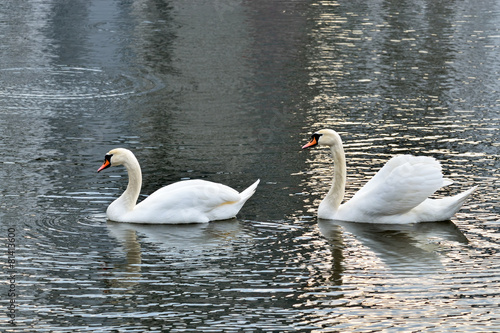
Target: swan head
[118,156]
[324,137]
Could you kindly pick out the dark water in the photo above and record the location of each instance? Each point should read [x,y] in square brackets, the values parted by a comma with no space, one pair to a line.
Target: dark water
[228,91]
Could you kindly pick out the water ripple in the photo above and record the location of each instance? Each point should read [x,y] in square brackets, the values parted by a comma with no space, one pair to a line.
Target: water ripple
[73,83]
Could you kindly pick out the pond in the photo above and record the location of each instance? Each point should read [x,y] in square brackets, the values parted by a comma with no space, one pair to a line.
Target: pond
[229,91]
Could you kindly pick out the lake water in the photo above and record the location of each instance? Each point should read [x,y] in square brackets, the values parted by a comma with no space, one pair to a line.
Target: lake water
[229,91]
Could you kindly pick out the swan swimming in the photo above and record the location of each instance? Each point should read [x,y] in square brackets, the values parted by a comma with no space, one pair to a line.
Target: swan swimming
[188,201]
[398,193]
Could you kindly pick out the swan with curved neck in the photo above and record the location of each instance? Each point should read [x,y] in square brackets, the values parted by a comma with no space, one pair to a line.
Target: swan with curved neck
[398,193]
[189,201]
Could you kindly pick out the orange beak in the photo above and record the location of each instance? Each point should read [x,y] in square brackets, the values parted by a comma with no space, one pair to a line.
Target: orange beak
[311,143]
[106,164]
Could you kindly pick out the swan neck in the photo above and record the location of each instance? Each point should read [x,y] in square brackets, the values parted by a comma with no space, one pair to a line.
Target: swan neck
[133,190]
[336,193]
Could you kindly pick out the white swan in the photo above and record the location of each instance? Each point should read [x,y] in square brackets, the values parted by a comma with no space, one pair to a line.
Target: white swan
[189,201]
[398,193]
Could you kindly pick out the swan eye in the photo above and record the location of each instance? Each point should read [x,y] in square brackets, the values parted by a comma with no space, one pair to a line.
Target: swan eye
[107,158]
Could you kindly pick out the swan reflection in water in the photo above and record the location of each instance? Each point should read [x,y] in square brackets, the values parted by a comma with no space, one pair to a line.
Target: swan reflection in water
[172,241]
[401,247]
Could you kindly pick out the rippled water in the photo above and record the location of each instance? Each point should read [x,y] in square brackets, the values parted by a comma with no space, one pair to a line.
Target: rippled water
[228,92]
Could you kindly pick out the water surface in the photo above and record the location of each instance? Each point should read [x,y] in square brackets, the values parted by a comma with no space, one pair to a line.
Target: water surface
[228,92]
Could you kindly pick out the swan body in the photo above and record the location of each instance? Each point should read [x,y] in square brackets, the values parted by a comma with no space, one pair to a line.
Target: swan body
[398,193]
[189,201]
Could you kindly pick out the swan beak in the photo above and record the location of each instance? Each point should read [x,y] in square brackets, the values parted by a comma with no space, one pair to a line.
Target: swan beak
[313,142]
[106,164]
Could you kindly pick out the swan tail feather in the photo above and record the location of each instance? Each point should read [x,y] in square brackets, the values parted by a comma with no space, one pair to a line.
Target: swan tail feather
[230,209]
[460,199]
[249,191]
[447,181]
[449,206]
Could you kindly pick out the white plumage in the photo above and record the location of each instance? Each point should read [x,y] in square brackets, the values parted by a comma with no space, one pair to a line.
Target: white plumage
[398,193]
[189,201]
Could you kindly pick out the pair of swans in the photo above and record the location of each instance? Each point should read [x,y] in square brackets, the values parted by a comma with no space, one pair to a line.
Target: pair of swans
[398,193]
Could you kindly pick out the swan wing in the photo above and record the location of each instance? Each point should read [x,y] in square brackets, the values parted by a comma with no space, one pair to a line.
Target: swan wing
[401,185]
[201,194]
[184,202]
